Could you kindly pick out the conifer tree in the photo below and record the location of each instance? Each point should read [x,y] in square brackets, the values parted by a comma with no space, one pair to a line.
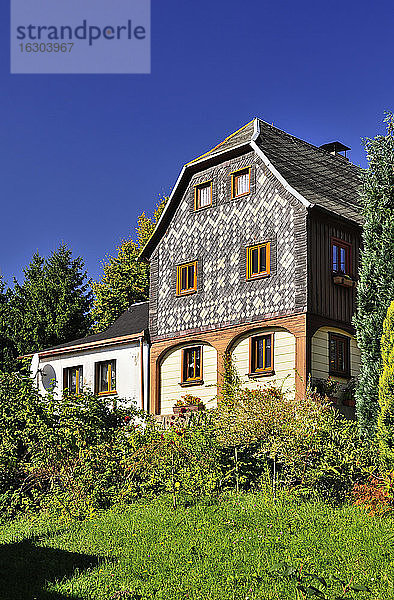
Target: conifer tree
[52,305]
[375,289]
[385,426]
[8,351]
[126,278]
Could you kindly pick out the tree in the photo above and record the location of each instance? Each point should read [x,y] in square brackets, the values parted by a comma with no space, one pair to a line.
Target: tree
[53,303]
[7,348]
[376,285]
[385,426]
[126,278]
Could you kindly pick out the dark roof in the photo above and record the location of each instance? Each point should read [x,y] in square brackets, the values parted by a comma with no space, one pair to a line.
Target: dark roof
[133,320]
[327,181]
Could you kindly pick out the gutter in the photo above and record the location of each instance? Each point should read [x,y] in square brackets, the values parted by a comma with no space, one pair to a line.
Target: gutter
[87,346]
[142,371]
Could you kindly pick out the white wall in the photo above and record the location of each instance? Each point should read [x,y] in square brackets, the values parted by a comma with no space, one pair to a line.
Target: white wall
[170,377]
[320,359]
[128,379]
[284,359]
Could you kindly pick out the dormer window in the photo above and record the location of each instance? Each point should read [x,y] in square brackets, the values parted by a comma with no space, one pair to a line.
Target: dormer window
[340,253]
[240,183]
[203,195]
[186,278]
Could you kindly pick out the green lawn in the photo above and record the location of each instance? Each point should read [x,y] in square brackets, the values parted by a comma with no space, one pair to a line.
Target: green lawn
[221,551]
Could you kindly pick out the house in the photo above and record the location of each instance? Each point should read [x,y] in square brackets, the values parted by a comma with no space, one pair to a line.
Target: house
[113,363]
[256,255]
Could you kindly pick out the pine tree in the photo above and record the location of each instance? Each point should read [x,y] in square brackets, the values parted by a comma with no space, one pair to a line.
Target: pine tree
[52,305]
[385,425]
[376,285]
[126,278]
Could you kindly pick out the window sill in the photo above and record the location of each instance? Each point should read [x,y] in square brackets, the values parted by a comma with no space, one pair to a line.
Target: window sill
[191,383]
[181,294]
[262,276]
[341,375]
[200,208]
[111,393]
[261,374]
[240,195]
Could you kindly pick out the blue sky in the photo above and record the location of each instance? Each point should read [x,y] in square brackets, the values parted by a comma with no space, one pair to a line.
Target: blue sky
[83,155]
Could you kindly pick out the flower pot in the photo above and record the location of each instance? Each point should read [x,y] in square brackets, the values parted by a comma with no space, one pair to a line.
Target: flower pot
[345,281]
[188,408]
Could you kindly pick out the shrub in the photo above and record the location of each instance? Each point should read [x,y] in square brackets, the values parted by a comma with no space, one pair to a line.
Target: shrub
[374,496]
[385,425]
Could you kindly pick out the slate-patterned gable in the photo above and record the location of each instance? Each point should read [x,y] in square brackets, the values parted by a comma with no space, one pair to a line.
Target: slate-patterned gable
[217,237]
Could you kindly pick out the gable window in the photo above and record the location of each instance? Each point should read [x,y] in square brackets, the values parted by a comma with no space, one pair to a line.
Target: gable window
[73,379]
[339,355]
[203,195]
[262,354]
[340,255]
[186,278]
[106,377]
[192,364]
[258,260]
[240,182]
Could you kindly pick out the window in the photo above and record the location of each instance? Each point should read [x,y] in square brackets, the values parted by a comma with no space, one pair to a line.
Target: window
[192,364]
[203,195]
[340,256]
[106,377]
[240,183]
[73,379]
[262,354]
[258,260]
[339,354]
[186,278]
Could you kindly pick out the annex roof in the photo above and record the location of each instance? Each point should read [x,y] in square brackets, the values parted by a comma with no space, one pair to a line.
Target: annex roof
[131,323]
[312,174]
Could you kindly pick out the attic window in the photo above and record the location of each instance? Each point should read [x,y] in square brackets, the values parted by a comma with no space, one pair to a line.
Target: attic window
[240,183]
[203,195]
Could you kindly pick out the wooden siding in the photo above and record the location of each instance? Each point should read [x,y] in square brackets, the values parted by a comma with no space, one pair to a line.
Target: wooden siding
[284,360]
[320,366]
[170,377]
[325,298]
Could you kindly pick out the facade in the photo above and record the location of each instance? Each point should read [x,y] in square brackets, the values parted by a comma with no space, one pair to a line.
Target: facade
[114,363]
[256,256]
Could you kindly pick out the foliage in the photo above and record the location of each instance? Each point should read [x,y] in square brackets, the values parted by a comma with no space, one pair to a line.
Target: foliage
[188,399]
[8,351]
[385,425]
[374,495]
[126,278]
[52,304]
[375,289]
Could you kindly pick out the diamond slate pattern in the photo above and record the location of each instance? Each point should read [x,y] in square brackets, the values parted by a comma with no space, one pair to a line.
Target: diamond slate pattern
[217,236]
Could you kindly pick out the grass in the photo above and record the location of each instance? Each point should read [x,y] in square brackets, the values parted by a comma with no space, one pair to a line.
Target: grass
[207,552]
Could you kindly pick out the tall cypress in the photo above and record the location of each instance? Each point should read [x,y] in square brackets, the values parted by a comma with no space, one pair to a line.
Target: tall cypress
[385,424]
[376,284]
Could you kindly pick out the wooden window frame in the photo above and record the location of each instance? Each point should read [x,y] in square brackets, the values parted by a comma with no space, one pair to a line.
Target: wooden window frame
[197,188]
[249,275]
[253,371]
[348,255]
[332,336]
[98,366]
[234,175]
[66,378]
[196,380]
[192,290]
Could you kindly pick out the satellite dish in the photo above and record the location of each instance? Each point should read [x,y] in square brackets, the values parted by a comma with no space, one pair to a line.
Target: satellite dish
[35,361]
[48,377]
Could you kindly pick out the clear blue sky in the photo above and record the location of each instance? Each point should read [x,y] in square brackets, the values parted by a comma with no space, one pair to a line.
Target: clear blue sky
[83,155]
